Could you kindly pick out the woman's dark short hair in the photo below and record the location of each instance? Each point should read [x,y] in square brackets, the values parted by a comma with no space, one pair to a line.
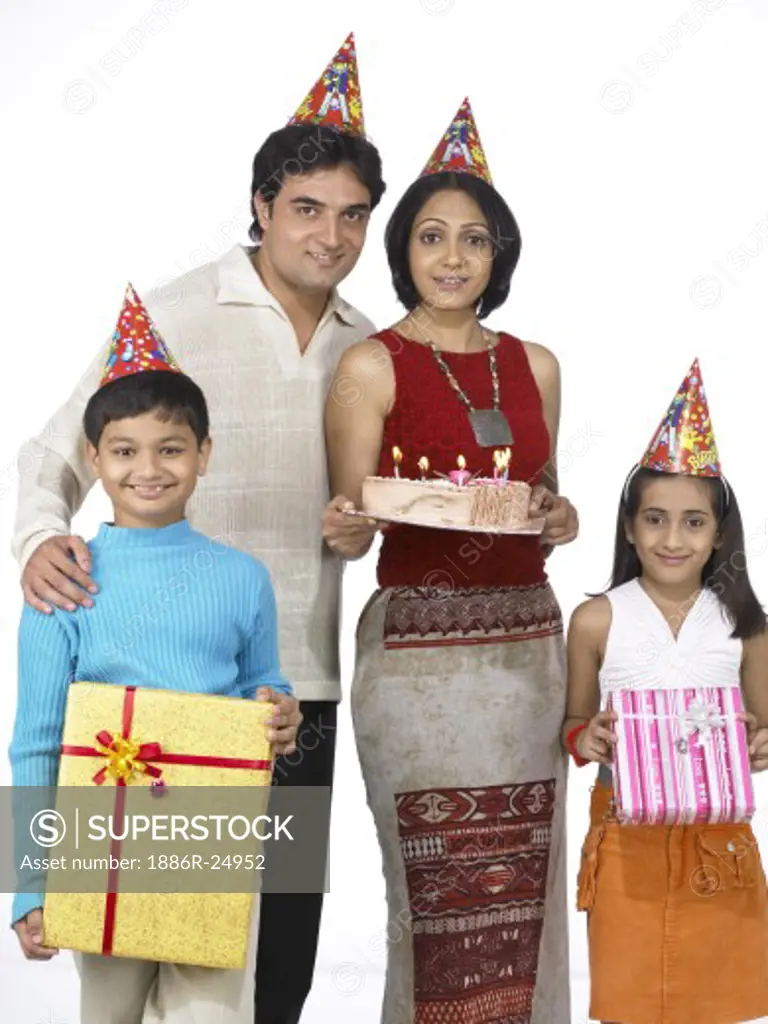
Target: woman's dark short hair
[172,396]
[303,148]
[502,225]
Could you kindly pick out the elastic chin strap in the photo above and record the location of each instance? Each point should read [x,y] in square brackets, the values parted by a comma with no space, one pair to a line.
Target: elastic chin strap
[633,471]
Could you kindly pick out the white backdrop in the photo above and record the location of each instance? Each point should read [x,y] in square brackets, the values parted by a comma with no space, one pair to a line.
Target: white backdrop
[628,138]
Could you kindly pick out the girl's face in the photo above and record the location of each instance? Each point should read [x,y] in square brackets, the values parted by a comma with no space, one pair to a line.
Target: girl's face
[675,529]
[450,251]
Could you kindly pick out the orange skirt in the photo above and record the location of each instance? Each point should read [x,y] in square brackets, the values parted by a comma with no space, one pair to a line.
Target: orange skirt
[678,921]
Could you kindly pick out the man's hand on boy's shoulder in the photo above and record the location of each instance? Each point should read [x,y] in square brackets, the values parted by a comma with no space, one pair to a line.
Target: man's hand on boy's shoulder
[30,932]
[57,574]
[285,720]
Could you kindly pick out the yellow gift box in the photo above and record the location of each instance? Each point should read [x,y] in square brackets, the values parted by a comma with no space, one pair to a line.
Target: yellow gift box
[124,737]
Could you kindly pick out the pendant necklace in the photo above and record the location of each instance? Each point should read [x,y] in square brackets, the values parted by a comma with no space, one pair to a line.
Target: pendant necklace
[490,426]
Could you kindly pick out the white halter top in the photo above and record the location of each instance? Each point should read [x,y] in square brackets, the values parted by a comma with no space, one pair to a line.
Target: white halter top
[642,653]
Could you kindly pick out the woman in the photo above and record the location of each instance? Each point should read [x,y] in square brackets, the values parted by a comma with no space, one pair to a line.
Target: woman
[459,687]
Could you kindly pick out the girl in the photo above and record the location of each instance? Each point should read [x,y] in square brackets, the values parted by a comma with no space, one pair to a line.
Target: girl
[678,915]
[459,686]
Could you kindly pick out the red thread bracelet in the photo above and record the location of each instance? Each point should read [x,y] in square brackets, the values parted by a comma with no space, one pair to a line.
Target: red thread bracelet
[570,745]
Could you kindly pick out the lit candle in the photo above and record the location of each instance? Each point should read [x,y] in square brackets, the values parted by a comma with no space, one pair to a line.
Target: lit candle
[397,458]
[424,466]
[498,463]
[505,464]
[461,475]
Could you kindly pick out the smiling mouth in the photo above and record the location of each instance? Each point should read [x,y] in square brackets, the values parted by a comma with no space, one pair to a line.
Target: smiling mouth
[451,282]
[149,490]
[324,259]
[673,559]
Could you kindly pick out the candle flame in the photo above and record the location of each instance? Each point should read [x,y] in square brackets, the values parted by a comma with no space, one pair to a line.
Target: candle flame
[461,462]
[397,455]
[424,464]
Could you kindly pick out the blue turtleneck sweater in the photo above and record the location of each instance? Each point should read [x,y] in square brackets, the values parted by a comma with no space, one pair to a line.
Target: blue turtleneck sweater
[175,610]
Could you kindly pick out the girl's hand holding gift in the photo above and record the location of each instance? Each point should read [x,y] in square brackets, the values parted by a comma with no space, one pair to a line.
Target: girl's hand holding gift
[30,934]
[561,520]
[596,741]
[285,721]
[758,743]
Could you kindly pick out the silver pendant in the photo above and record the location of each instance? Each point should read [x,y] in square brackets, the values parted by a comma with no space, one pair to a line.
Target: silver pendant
[491,428]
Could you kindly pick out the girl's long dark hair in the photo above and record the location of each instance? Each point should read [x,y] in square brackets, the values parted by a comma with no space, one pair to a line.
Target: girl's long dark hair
[725,573]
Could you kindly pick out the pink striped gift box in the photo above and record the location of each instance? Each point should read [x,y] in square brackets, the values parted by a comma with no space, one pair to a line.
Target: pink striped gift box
[681,757]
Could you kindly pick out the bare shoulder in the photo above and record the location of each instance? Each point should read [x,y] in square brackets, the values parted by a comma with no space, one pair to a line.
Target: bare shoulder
[364,381]
[364,356]
[543,362]
[592,619]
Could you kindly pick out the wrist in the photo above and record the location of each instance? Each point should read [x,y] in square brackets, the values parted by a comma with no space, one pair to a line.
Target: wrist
[572,744]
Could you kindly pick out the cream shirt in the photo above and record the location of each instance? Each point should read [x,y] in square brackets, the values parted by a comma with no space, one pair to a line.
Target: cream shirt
[267,482]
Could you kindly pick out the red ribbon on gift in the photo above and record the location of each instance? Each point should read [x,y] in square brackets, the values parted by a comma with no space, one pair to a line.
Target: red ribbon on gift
[125,757]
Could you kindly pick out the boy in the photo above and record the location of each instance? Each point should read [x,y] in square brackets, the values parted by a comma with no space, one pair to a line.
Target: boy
[178,611]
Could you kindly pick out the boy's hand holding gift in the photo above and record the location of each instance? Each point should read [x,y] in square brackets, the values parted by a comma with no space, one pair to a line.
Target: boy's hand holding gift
[30,934]
[285,721]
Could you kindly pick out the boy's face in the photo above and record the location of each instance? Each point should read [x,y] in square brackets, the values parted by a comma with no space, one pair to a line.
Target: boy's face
[149,468]
[315,228]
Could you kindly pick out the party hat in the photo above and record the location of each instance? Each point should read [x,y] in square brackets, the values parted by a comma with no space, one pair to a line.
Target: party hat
[335,98]
[460,148]
[136,344]
[684,441]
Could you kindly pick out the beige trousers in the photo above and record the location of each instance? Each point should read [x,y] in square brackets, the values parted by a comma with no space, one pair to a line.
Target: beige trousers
[120,991]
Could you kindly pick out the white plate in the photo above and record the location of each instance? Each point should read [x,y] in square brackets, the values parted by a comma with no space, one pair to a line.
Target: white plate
[533,528]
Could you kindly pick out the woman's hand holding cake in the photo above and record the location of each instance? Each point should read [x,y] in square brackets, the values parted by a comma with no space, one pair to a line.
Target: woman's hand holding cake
[561,520]
[348,536]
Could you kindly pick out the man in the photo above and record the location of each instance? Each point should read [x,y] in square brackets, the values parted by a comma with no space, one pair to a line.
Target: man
[261,332]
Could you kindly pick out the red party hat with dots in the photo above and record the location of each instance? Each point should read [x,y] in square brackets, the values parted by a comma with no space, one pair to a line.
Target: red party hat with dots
[335,98]
[136,344]
[460,148]
[684,441]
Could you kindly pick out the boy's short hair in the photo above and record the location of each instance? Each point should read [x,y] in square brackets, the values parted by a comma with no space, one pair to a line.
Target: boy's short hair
[302,148]
[172,396]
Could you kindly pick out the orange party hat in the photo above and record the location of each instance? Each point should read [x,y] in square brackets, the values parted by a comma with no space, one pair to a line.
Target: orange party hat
[335,98]
[136,344]
[684,441]
[460,148]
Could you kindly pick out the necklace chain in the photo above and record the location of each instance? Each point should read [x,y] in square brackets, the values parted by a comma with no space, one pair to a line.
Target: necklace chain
[455,384]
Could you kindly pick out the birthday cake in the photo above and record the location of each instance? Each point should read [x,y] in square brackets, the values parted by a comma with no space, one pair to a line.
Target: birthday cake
[485,503]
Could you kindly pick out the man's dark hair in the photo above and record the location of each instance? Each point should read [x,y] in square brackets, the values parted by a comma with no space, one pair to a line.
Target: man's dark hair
[172,396]
[303,148]
[505,236]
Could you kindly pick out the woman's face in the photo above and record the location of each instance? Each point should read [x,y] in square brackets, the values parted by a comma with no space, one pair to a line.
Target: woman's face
[450,251]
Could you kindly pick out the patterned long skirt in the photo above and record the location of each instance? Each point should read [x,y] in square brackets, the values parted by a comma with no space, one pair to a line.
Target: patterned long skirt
[457,702]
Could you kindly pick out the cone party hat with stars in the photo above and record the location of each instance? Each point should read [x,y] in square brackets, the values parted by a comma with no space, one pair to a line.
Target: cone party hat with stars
[460,148]
[684,441]
[335,98]
[136,344]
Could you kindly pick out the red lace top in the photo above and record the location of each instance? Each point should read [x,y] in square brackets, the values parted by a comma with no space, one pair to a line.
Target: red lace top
[429,419]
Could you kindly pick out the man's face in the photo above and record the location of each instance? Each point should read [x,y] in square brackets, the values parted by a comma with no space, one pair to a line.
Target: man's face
[315,229]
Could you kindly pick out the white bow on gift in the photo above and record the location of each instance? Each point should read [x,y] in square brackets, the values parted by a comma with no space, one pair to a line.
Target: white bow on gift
[702,718]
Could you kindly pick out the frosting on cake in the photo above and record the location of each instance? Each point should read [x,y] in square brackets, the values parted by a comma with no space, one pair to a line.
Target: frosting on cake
[478,503]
